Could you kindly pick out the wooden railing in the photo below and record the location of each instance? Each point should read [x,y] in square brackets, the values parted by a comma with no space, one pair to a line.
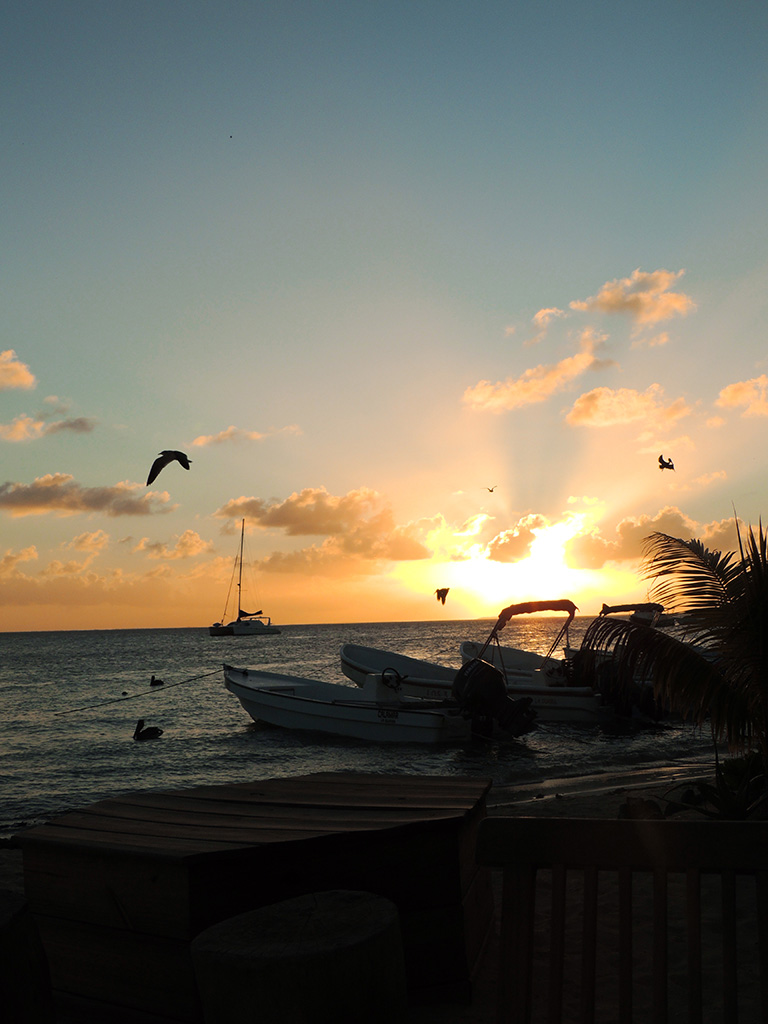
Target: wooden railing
[626,920]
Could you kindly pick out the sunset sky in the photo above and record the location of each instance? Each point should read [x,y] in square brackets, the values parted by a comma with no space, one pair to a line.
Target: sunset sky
[363,262]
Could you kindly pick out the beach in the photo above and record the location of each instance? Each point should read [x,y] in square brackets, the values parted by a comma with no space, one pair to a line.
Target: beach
[596,796]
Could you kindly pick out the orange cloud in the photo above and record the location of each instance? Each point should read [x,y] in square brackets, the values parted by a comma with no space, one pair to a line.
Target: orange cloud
[60,493]
[607,407]
[14,373]
[236,434]
[593,550]
[188,545]
[28,428]
[310,511]
[538,383]
[643,296]
[752,394]
[9,562]
[514,544]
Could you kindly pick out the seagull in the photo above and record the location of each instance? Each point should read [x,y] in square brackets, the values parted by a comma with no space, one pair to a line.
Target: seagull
[665,463]
[442,593]
[492,489]
[150,733]
[162,461]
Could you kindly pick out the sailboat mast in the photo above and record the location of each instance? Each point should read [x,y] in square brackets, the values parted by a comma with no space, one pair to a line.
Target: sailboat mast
[240,574]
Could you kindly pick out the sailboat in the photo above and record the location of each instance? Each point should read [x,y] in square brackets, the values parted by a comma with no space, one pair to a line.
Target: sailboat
[246,623]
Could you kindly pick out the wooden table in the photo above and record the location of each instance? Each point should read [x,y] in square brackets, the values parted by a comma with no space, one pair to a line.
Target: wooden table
[121,887]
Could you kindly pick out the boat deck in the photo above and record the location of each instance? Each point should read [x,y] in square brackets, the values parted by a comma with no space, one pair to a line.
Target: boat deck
[121,887]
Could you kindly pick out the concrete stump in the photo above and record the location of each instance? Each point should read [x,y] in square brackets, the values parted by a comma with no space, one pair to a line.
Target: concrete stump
[325,958]
[25,985]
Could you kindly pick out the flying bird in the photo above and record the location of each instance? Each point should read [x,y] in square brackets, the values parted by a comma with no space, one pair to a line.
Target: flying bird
[442,593]
[492,489]
[162,461]
[150,733]
[665,463]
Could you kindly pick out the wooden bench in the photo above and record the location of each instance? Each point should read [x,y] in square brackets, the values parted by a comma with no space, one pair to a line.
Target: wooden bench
[120,888]
[630,920]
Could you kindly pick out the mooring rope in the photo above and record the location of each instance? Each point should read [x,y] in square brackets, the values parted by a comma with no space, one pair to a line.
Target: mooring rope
[133,696]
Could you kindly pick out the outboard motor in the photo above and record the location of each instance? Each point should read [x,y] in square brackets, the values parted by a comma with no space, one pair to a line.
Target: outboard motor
[480,692]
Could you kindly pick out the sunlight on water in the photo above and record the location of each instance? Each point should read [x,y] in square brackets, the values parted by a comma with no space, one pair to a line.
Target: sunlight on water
[51,761]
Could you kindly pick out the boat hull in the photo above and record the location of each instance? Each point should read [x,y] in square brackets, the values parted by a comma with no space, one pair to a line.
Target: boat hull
[340,710]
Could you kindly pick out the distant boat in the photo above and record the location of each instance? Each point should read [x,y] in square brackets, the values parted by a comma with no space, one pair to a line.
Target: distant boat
[245,623]
[646,614]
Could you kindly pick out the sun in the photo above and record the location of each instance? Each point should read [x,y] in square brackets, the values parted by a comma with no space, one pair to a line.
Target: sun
[481,586]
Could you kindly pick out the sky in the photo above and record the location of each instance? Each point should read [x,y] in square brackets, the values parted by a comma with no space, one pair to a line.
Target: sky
[423,290]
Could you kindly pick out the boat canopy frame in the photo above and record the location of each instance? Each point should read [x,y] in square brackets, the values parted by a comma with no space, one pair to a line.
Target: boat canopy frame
[528,608]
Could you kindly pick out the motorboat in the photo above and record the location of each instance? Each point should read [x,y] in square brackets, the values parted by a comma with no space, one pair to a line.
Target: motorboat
[371,711]
[245,623]
[646,614]
[410,677]
[526,675]
[557,695]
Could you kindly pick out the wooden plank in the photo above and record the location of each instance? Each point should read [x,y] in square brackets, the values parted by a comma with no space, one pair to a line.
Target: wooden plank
[615,843]
[693,933]
[249,817]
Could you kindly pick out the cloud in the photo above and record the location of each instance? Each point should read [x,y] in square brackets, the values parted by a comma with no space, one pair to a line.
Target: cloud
[9,562]
[538,383]
[237,434]
[14,373]
[645,297]
[60,494]
[542,320]
[544,317]
[514,544]
[92,543]
[592,550]
[752,394]
[188,545]
[312,511]
[28,428]
[607,407]
[655,342]
[359,528]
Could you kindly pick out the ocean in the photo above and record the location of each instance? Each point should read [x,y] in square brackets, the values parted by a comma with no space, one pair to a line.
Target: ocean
[69,703]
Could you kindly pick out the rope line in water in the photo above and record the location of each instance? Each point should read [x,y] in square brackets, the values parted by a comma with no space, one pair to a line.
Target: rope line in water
[133,696]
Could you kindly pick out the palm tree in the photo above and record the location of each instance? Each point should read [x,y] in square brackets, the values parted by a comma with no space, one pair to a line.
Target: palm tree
[716,670]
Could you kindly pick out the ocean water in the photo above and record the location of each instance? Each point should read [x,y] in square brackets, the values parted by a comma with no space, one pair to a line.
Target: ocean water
[69,702]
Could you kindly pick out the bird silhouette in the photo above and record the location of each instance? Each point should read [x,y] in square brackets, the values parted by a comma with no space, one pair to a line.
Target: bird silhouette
[665,463]
[154,681]
[162,461]
[150,733]
[492,489]
[442,593]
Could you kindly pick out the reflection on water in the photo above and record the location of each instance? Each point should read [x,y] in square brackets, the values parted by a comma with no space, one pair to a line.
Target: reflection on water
[51,761]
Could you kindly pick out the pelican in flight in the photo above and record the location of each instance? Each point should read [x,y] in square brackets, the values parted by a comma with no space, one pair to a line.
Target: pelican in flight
[150,733]
[162,461]
[442,593]
[665,463]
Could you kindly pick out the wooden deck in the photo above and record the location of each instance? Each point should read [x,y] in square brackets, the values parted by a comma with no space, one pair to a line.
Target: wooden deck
[121,887]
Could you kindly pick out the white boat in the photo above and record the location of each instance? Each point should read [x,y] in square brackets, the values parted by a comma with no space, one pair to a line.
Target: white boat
[647,614]
[524,676]
[409,677]
[370,712]
[245,623]
[546,678]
